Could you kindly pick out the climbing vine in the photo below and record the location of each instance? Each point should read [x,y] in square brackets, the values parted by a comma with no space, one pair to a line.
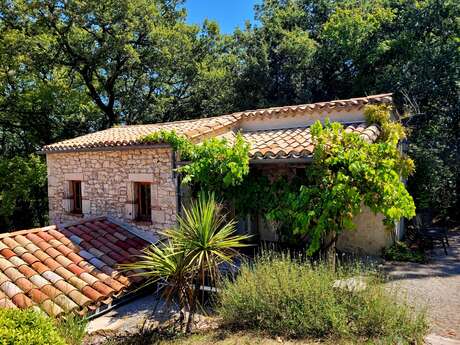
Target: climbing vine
[213,165]
[347,173]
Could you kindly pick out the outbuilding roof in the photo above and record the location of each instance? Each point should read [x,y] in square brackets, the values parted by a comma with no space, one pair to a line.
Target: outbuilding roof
[74,268]
[263,141]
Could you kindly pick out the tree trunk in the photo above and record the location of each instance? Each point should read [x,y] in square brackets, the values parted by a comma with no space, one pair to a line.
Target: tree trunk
[192,308]
[329,252]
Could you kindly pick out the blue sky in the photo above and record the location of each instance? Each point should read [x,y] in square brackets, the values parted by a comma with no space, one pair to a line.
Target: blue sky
[228,13]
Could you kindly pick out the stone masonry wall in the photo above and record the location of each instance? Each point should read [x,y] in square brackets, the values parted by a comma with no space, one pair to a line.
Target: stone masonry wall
[107,178]
[369,237]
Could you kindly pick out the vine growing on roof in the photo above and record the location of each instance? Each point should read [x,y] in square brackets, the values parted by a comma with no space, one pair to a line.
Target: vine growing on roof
[214,165]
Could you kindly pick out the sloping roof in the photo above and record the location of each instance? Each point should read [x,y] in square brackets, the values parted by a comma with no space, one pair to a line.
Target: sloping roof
[213,126]
[74,268]
[292,142]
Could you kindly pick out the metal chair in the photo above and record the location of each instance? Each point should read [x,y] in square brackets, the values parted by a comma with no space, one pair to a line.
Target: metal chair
[429,233]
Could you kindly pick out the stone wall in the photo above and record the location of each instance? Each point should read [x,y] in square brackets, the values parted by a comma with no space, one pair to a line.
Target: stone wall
[369,237]
[107,184]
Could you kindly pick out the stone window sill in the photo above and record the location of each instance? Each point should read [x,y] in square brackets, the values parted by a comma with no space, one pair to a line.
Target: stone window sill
[142,222]
[75,214]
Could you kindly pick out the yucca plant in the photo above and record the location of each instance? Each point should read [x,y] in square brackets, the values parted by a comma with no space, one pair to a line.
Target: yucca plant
[192,253]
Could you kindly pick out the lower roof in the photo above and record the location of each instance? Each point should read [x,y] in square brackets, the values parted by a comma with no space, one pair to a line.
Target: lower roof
[69,269]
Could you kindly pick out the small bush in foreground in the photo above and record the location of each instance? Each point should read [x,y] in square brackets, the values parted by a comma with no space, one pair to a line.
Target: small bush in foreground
[400,251]
[72,328]
[27,327]
[289,298]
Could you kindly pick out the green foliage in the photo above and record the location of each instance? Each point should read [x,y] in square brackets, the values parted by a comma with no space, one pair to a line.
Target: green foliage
[287,297]
[72,328]
[192,253]
[178,143]
[70,69]
[400,251]
[366,47]
[22,184]
[212,165]
[347,173]
[27,327]
[136,60]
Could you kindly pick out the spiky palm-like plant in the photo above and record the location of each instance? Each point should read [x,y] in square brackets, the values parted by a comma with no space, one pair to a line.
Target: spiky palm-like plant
[192,253]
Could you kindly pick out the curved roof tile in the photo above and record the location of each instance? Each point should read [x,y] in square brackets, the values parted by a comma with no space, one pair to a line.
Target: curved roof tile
[198,129]
[64,277]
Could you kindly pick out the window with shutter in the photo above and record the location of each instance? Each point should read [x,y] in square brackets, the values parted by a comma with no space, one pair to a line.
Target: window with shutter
[75,191]
[143,201]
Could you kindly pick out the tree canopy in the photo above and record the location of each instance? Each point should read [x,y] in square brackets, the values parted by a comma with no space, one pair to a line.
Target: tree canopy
[69,67]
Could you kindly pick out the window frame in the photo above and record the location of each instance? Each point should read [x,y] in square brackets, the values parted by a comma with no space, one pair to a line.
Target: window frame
[76,196]
[143,201]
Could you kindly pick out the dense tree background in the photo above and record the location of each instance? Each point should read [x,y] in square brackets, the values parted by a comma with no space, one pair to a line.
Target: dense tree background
[75,66]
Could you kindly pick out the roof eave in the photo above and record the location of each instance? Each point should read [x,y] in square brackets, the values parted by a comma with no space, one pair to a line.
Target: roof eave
[281,160]
[105,148]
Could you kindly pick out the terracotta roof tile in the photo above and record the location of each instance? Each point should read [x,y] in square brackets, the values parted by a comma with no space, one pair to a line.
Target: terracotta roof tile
[5,264]
[39,281]
[29,258]
[22,301]
[10,289]
[44,246]
[37,296]
[51,291]
[64,287]
[7,253]
[79,298]
[27,271]
[205,127]
[20,250]
[92,294]
[65,303]
[13,274]
[12,244]
[7,303]
[51,308]
[64,272]
[75,269]
[17,261]
[52,252]
[24,284]
[52,277]
[52,264]
[46,267]
[291,142]
[40,267]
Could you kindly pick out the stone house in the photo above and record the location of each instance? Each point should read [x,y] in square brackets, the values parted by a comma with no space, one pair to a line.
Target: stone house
[112,173]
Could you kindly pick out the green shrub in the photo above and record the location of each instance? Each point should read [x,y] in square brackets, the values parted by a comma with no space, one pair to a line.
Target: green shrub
[289,298]
[401,252]
[72,328]
[27,327]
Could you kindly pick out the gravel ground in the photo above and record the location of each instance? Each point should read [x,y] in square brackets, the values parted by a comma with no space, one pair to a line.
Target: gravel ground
[435,285]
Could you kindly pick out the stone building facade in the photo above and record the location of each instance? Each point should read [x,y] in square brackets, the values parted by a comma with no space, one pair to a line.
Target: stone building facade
[107,182]
[116,173]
